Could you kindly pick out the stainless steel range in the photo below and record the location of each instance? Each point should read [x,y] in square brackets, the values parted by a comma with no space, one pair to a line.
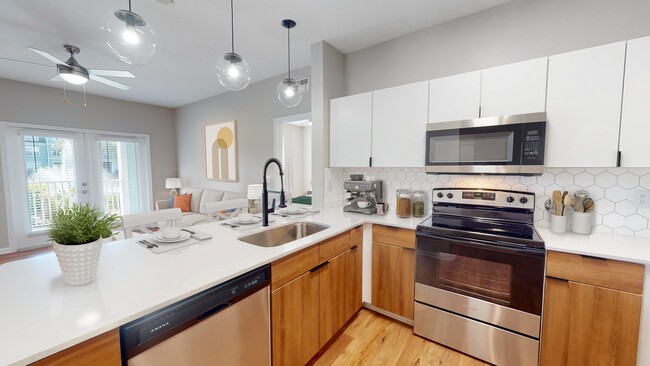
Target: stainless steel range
[479,275]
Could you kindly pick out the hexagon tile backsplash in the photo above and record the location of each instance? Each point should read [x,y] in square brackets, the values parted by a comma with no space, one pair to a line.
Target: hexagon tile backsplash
[611,188]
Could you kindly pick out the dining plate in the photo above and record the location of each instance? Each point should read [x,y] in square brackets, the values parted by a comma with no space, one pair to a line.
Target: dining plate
[161,239]
[254,220]
[292,211]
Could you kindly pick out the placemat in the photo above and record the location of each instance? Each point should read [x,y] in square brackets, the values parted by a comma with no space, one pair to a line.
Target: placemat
[166,247]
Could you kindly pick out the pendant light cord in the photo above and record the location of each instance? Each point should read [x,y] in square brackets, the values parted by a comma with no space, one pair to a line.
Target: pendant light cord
[130,6]
[232,26]
[289,51]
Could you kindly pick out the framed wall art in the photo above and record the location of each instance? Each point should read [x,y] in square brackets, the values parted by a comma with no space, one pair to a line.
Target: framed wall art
[221,151]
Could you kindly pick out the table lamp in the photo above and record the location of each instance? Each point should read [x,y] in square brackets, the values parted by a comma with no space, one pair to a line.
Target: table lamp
[173,183]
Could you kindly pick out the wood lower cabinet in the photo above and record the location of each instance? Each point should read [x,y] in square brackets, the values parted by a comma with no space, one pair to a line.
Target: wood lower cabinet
[103,350]
[393,269]
[295,320]
[310,305]
[334,292]
[593,323]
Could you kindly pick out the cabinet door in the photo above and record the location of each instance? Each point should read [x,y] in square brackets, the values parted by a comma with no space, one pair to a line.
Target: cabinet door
[636,109]
[356,264]
[584,107]
[103,350]
[393,279]
[334,295]
[399,119]
[455,97]
[350,130]
[514,89]
[295,320]
[589,325]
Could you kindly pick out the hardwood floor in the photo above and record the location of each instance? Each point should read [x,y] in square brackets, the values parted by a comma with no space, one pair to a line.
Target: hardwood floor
[22,254]
[373,339]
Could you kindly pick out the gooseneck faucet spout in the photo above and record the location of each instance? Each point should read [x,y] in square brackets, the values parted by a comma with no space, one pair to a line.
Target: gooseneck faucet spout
[265,193]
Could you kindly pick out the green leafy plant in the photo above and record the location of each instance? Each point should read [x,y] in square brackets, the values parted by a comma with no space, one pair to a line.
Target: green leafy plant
[76,224]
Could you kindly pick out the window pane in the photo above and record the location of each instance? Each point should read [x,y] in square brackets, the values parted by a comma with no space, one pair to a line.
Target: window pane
[120,182]
[50,173]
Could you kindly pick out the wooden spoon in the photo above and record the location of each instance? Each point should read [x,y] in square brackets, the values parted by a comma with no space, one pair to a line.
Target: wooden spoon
[568,201]
[588,204]
[557,200]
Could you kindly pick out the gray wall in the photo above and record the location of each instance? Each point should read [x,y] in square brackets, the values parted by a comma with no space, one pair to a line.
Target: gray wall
[328,81]
[254,108]
[517,31]
[28,103]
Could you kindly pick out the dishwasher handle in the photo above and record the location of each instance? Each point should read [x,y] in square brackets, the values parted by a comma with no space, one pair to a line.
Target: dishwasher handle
[213,311]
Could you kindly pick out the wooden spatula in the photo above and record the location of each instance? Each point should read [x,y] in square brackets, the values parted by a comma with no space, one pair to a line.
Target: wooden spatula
[557,200]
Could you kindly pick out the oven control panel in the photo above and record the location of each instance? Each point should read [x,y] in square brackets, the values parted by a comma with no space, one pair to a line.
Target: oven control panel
[484,197]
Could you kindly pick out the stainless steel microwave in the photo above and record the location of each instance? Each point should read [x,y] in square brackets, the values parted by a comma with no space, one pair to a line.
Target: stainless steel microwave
[493,145]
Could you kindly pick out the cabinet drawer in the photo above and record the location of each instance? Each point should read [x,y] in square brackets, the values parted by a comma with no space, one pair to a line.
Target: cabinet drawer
[286,269]
[356,236]
[607,273]
[334,246]
[394,236]
[103,350]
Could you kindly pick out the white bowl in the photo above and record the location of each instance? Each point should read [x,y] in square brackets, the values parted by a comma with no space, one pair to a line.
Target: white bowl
[363,204]
[245,217]
[171,232]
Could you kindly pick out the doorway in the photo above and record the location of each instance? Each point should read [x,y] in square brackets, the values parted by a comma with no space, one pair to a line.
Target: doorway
[292,145]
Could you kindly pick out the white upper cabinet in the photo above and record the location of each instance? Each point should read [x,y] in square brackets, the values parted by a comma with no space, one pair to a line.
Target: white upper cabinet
[350,126]
[455,97]
[514,89]
[635,123]
[584,107]
[399,119]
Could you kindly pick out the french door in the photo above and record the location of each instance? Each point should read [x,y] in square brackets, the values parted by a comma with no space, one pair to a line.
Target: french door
[47,169]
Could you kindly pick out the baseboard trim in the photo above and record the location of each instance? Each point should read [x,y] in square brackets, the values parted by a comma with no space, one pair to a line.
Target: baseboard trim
[399,318]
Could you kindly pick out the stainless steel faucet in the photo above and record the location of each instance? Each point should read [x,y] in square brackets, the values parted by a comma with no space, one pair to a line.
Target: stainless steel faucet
[265,193]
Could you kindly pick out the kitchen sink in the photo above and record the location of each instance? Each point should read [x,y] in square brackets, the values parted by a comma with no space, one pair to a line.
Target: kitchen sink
[284,234]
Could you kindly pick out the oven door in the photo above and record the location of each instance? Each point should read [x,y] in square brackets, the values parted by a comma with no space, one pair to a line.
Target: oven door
[490,282]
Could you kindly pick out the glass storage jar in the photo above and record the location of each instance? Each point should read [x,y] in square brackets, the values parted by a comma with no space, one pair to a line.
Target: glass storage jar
[418,203]
[403,204]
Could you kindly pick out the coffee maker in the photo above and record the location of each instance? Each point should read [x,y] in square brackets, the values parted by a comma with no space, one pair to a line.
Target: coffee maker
[362,196]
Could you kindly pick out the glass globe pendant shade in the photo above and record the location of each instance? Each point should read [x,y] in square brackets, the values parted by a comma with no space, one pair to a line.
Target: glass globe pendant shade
[129,37]
[233,71]
[289,93]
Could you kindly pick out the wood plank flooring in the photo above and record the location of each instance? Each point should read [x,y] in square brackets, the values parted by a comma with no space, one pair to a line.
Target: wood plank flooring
[373,339]
[27,253]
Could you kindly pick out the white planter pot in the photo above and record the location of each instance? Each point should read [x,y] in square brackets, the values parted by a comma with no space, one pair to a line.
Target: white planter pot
[78,262]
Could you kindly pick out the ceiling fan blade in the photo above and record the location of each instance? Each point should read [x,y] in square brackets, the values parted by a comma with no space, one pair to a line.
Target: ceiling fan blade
[113,73]
[56,78]
[47,56]
[25,62]
[109,82]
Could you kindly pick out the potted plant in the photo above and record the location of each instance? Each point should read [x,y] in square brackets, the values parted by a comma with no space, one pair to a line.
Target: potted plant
[77,230]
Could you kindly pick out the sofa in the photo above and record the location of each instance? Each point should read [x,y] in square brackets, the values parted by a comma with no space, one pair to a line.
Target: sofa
[205,203]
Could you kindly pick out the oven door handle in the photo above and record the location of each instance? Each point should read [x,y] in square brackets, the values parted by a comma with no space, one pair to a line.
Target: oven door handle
[483,244]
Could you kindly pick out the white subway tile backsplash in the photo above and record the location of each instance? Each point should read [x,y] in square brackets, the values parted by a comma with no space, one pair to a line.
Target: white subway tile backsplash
[610,188]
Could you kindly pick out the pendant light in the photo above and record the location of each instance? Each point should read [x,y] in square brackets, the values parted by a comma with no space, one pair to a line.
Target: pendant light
[288,90]
[233,71]
[129,37]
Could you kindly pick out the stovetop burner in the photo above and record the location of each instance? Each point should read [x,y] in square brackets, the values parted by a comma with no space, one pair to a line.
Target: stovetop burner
[488,214]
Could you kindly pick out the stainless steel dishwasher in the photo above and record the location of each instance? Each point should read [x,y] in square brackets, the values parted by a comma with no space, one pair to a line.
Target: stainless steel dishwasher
[225,325]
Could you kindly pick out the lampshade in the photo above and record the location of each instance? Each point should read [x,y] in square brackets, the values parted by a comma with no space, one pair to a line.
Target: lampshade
[233,71]
[129,37]
[171,183]
[254,191]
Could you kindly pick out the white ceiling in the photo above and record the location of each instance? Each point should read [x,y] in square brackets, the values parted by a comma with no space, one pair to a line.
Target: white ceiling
[193,33]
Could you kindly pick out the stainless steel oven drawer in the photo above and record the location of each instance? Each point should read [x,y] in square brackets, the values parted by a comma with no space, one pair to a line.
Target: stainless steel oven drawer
[474,338]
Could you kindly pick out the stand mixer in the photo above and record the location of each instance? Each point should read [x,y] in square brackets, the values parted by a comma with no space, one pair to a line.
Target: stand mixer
[363,196]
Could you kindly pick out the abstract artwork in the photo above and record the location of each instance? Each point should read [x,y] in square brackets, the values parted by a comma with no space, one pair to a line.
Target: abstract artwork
[221,151]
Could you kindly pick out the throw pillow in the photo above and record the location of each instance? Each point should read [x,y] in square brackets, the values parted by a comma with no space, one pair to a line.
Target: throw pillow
[183,202]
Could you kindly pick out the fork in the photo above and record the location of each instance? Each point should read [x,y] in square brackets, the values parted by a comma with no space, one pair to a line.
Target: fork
[149,244]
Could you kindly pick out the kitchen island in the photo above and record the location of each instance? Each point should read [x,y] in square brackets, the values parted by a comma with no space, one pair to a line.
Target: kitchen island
[41,315]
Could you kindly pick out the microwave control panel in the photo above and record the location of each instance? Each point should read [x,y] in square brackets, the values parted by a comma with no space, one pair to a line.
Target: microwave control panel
[533,143]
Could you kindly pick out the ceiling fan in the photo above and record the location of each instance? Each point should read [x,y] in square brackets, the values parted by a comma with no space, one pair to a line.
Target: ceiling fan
[72,72]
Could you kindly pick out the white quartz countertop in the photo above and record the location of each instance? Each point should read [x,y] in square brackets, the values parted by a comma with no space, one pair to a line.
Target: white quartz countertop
[41,315]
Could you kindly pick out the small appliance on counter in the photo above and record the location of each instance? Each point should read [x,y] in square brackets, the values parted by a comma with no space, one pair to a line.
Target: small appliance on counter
[362,195]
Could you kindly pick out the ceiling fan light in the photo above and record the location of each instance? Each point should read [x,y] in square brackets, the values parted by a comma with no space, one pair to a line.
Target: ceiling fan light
[289,93]
[129,37]
[73,75]
[233,71]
